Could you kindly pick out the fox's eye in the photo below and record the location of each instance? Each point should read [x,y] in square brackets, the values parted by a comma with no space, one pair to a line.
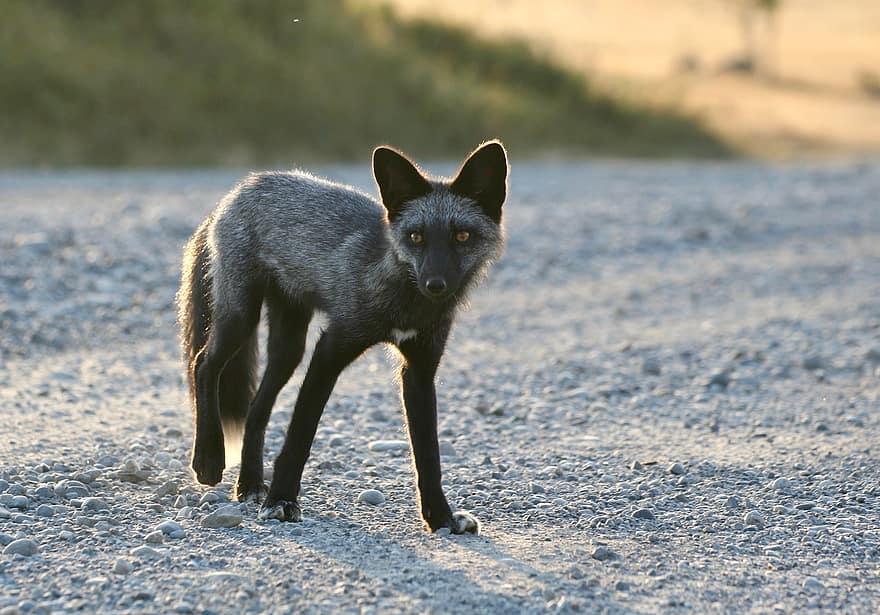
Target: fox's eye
[416,237]
[462,236]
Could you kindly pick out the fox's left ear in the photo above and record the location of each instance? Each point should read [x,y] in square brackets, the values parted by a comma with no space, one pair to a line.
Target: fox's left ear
[483,178]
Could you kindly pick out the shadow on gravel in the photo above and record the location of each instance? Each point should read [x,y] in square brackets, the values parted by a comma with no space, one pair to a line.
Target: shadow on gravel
[470,566]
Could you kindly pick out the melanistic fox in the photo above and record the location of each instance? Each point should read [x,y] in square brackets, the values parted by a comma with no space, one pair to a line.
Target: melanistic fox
[301,245]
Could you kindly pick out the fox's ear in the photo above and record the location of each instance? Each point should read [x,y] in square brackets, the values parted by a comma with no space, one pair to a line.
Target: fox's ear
[483,178]
[399,180]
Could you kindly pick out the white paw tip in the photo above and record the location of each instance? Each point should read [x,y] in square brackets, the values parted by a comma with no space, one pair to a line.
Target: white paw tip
[464,522]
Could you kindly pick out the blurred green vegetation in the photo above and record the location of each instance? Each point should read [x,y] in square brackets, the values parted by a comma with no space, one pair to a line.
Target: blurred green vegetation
[240,82]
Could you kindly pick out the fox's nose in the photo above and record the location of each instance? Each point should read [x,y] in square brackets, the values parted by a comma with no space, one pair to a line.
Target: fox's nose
[436,286]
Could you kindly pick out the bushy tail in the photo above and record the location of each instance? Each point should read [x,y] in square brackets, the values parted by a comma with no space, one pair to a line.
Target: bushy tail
[238,380]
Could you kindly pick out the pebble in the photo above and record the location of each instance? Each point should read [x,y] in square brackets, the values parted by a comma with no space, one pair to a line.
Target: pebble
[446,449]
[171,529]
[603,554]
[651,367]
[225,516]
[94,503]
[20,502]
[753,517]
[781,484]
[536,487]
[209,497]
[813,362]
[719,380]
[169,487]
[122,566]
[22,546]
[371,496]
[380,446]
[145,552]
[45,510]
[643,513]
[5,539]
[154,538]
[677,469]
[812,584]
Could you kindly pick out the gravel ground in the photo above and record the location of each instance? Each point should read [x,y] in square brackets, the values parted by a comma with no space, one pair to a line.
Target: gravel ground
[666,398]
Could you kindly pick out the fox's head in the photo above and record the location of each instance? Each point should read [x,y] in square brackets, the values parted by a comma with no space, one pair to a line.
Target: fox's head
[447,230]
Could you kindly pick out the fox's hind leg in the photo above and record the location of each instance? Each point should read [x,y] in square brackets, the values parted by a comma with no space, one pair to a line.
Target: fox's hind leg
[230,329]
[288,326]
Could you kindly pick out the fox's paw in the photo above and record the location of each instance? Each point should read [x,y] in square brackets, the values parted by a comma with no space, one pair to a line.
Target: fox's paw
[283,510]
[464,522]
[461,522]
[208,464]
[250,492]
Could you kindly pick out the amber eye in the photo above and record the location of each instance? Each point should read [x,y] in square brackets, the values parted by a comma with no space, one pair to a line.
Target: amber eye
[416,237]
[462,236]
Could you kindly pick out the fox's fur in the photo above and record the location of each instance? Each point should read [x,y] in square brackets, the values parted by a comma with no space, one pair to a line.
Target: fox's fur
[392,271]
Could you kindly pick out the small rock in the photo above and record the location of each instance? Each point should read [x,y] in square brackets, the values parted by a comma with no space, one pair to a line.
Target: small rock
[209,497]
[636,465]
[171,529]
[446,449]
[225,516]
[22,546]
[94,504]
[812,584]
[603,554]
[780,484]
[813,362]
[732,502]
[371,496]
[45,510]
[154,538]
[20,501]
[379,446]
[643,513]
[5,539]
[677,469]
[719,380]
[651,367]
[753,517]
[536,487]
[169,487]
[122,566]
[621,586]
[145,552]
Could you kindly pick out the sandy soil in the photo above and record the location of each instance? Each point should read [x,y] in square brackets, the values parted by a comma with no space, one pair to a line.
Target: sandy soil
[666,397]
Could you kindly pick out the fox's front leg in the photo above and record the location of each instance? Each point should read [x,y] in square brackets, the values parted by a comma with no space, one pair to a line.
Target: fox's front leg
[334,351]
[420,401]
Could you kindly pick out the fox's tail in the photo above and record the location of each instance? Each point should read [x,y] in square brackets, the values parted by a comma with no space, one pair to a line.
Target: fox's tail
[238,380]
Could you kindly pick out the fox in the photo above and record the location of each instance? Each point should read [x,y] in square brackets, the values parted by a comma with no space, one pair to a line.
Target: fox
[393,270]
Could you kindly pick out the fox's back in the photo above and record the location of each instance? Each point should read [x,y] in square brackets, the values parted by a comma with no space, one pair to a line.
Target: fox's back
[312,236]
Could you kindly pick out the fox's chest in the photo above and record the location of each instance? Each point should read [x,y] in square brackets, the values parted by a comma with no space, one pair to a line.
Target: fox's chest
[398,336]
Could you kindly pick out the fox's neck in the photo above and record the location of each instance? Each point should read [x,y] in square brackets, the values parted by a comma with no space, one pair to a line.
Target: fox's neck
[397,293]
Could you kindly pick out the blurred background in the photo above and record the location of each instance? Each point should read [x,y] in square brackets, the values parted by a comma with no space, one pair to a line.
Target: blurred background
[162,83]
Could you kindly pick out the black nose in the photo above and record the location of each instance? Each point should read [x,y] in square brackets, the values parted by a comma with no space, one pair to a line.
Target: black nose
[436,286]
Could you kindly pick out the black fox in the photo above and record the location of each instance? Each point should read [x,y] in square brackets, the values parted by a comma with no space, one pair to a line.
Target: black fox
[393,272]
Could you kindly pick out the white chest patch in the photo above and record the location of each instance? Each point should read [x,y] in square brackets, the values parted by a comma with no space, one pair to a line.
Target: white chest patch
[401,336]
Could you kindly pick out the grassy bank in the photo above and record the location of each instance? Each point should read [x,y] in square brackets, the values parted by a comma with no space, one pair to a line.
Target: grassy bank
[99,82]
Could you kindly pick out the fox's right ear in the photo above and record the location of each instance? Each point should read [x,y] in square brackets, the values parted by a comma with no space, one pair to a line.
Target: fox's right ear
[399,180]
